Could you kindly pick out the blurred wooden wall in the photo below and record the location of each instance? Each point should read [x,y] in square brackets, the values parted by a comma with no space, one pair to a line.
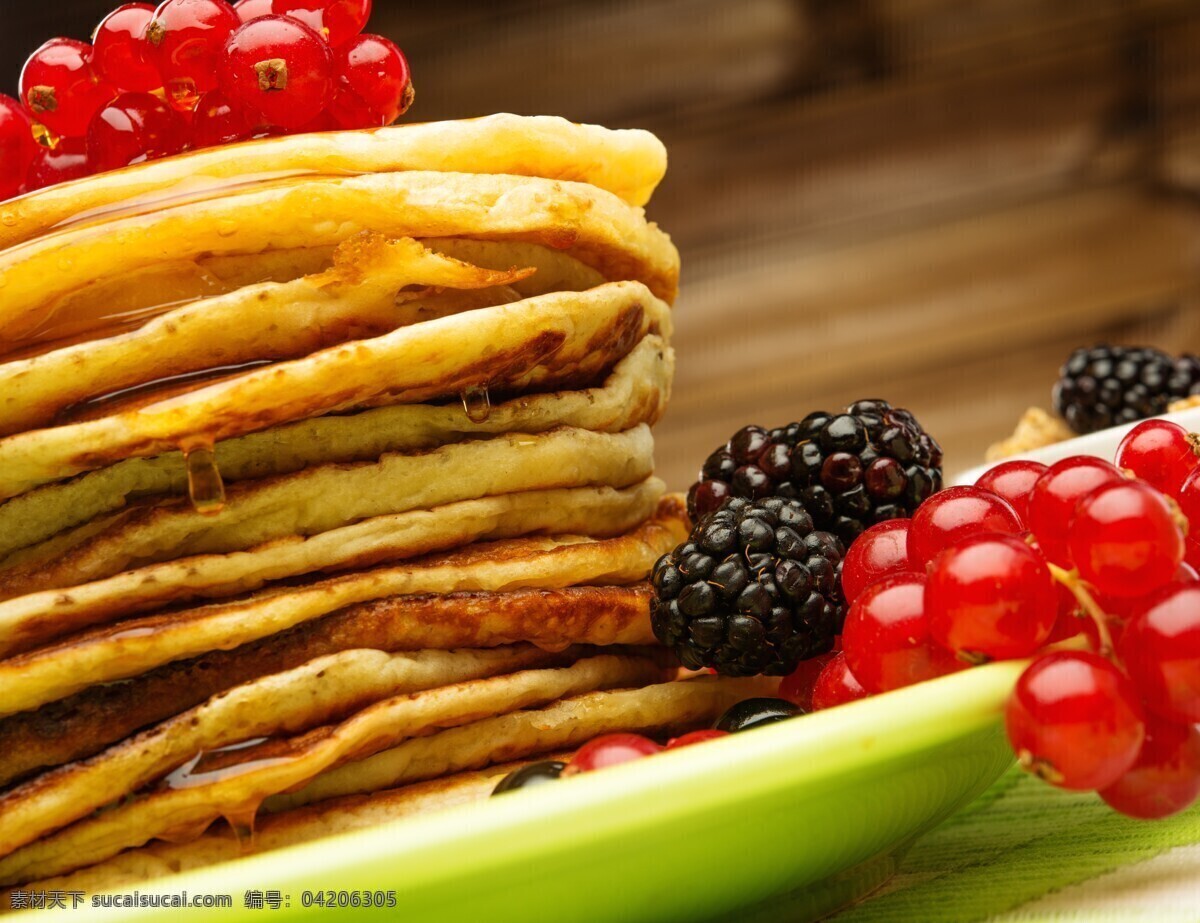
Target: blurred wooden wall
[931,201]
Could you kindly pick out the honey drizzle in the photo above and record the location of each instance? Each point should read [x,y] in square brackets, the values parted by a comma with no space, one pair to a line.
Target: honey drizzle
[206,489]
[477,403]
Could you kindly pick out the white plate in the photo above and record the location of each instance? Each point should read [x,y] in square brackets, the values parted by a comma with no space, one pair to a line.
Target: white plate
[1102,444]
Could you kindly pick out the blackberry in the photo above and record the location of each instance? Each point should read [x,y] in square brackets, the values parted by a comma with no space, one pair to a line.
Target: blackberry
[850,470]
[755,589]
[1108,385]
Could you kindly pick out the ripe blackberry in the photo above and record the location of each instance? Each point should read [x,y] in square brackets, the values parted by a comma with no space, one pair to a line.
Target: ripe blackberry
[850,470]
[1108,385]
[755,589]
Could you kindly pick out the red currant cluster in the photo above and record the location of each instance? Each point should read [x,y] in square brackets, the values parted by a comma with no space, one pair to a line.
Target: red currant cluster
[194,74]
[1080,565]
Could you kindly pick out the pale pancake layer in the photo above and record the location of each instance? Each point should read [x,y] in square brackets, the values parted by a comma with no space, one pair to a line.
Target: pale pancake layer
[188,808]
[593,225]
[627,163]
[564,338]
[358,298]
[322,691]
[132,647]
[635,392]
[129,299]
[84,724]
[223,844]
[671,706]
[327,497]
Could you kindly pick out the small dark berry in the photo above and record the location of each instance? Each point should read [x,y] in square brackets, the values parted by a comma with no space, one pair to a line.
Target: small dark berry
[752,713]
[530,776]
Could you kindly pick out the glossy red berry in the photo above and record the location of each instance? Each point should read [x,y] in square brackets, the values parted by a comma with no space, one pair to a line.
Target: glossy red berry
[836,685]
[1166,777]
[886,638]
[1124,539]
[278,69]
[1013,481]
[610,750]
[953,514]
[61,164]
[797,686]
[120,53]
[991,597]
[1161,650]
[374,86]
[695,737]
[133,128]
[1158,452]
[217,122]
[1054,498]
[1073,718]
[61,89]
[879,551]
[337,21]
[186,38]
[17,147]
[252,9]
[1189,504]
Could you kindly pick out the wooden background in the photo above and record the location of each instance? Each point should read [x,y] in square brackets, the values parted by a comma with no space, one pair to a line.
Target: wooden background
[931,201]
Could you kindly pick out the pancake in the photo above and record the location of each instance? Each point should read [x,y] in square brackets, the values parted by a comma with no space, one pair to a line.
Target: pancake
[355,299]
[84,724]
[636,391]
[329,818]
[131,647]
[126,300]
[665,707]
[192,800]
[327,497]
[594,226]
[629,164]
[554,340]
[278,705]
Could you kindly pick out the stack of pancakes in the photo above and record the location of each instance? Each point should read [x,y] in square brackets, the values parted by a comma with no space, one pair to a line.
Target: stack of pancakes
[326,486]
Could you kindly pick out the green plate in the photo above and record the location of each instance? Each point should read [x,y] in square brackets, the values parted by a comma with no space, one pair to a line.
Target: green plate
[796,819]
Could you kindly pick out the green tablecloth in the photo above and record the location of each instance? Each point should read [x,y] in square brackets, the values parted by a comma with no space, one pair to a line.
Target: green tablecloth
[1027,852]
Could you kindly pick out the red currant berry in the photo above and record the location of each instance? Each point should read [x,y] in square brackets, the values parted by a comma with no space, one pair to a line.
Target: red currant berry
[121,55]
[1013,481]
[338,21]
[1189,504]
[61,164]
[373,83]
[217,122]
[279,70]
[1055,494]
[881,550]
[948,517]
[17,147]
[252,9]
[61,89]
[610,750]
[1124,539]
[186,38]
[886,638]
[695,737]
[1074,720]
[836,685]
[797,686]
[991,597]
[133,128]
[1166,777]
[1161,650]
[1158,452]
